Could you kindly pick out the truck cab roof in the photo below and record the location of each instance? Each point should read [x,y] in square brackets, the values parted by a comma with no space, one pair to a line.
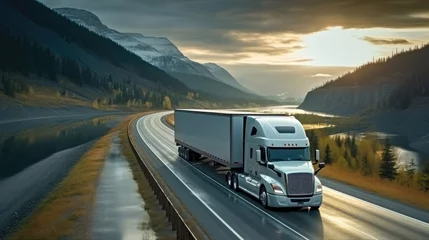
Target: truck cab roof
[278,131]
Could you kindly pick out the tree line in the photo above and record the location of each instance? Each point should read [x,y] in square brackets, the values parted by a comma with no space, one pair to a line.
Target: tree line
[369,157]
[27,58]
[103,47]
[407,69]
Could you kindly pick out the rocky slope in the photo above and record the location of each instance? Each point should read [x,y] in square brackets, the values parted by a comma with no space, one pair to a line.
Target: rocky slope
[162,53]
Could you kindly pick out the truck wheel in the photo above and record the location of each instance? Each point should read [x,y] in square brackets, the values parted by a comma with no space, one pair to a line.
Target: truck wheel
[180,151]
[187,154]
[235,183]
[229,179]
[263,197]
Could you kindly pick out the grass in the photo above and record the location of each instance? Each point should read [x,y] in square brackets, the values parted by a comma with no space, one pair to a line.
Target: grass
[158,220]
[67,210]
[170,119]
[372,184]
[378,186]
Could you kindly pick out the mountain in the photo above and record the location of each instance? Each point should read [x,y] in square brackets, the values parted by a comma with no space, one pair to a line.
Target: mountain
[224,76]
[395,83]
[162,53]
[47,60]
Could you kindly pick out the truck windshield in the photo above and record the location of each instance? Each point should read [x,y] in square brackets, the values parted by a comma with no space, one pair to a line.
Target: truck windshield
[288,154]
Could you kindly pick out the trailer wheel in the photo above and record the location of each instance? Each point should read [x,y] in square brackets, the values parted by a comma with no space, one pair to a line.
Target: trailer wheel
[229,179]
[235,182]
[181,151]
[263,196]
[187,154]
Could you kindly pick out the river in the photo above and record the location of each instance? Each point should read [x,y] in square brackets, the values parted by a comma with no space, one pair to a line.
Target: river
[400,143]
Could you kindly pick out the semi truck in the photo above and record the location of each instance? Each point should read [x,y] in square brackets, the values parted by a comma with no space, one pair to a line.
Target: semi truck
[267,155]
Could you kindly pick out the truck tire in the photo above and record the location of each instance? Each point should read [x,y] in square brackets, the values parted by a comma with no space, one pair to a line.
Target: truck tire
[263,196]
[181,151]
[235,183]
[229,179]
[187,154]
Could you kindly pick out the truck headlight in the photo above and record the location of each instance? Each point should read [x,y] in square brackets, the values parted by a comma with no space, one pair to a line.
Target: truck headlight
[277,189]
[319,187]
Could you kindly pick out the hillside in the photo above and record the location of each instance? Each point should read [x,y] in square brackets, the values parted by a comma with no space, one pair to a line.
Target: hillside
[162,53]
[391,83]
[48,60]
[223,75]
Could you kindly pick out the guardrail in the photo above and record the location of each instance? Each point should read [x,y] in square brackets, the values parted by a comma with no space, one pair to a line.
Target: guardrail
[178,224]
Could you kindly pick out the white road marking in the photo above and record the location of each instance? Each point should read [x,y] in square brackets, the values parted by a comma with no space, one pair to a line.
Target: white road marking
[216,182]
[358,199]
[205,204]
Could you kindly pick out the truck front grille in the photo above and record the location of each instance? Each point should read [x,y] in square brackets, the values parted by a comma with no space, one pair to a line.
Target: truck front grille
[300,184]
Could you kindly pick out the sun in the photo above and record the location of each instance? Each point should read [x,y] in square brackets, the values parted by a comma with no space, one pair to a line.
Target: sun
[336,46]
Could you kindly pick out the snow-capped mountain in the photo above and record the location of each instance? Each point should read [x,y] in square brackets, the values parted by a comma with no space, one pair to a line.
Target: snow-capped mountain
[158,51]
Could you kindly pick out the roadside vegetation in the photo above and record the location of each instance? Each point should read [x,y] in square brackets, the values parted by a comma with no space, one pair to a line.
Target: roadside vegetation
[372,165]
[66,211]
[170,119]
[367,163]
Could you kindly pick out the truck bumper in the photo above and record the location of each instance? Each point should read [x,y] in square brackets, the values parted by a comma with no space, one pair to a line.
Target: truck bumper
[279,201]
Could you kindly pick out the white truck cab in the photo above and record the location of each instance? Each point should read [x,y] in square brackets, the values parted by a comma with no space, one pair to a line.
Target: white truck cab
[278,169]
[268,154]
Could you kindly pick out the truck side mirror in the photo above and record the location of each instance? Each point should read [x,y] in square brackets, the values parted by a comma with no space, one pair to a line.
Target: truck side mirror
[258,155]
[317,155]
[321,165]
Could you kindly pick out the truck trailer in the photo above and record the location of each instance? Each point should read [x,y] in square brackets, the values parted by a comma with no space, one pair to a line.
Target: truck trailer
[268,155]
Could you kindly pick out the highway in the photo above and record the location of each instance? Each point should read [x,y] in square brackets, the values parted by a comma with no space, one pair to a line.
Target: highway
[225,214]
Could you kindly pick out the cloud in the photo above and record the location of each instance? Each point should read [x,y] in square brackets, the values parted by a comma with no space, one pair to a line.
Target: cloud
[387,41]
[321,75]
[302,60]
[221,24]
[208,56]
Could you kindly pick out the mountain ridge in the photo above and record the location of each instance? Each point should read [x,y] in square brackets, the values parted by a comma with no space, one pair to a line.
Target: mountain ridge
[159,51]
[387,83]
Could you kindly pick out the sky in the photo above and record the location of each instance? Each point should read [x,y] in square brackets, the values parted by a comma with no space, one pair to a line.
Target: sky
[273,46]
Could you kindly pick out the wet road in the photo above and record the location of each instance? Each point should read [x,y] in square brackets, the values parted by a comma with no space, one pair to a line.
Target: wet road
[229,215]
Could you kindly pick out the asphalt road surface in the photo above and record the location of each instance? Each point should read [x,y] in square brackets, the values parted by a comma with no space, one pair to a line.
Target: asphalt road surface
[229,215]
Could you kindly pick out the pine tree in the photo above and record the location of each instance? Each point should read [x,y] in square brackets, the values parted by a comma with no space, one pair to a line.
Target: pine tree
[346,156]
[366,168]
[353,147]
[338,141]
[410,169]
[424,179]
[388,167]
[328,154]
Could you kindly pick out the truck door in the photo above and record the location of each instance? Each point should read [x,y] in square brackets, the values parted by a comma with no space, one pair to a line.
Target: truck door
[254,171]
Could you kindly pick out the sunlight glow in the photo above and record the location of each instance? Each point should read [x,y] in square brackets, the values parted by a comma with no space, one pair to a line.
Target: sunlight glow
[334,46]
[337,47]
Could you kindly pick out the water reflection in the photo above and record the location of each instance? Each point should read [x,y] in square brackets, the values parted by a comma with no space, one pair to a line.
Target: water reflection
[28,147]
[34,159]
[400,146]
